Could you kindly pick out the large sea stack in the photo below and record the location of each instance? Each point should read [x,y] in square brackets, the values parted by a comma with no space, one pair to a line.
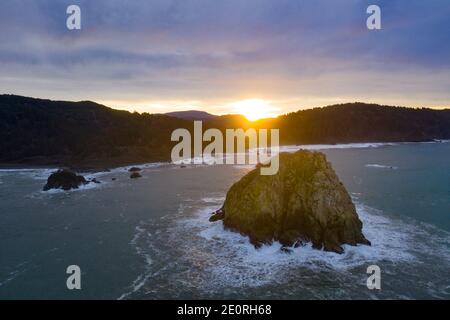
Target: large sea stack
[303,202]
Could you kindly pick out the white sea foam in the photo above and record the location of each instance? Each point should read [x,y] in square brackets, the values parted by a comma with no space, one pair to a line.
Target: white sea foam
[140,281]
[36,174]
[294,148]
[20,170]
[104,177]
[213,200]
[43,173]
[237,262]
[11,276]
[380,166]
[210,160]
[187,249]
[82,187]
[149,165]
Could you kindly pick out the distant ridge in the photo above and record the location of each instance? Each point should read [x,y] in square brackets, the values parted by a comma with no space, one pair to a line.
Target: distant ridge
[90,135]
[191,115]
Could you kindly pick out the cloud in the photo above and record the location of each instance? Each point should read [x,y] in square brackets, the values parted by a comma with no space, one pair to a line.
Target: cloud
[216,52]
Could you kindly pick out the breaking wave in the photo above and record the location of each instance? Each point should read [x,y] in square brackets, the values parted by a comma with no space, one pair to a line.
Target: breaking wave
[209,261]
[380,166]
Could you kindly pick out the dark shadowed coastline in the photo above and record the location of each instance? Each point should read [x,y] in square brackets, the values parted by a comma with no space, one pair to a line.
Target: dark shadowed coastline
[86,135]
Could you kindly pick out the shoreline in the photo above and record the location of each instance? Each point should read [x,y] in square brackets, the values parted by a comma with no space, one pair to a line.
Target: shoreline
[98,165]
[81,169]
[86,166]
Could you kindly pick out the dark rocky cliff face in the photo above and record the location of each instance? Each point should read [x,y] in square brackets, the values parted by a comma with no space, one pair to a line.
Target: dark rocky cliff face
[303,202]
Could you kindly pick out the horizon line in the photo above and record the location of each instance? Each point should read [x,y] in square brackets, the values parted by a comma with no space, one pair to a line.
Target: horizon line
[130,110]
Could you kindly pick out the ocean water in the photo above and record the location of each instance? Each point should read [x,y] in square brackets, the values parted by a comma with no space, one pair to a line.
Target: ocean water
[150,238]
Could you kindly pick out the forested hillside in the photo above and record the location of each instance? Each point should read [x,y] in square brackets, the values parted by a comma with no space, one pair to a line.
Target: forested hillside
[36,131]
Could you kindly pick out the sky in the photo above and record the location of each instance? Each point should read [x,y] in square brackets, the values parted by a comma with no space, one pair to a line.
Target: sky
[223,56]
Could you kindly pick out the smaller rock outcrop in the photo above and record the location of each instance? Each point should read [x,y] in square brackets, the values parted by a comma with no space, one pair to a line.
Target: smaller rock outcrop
[217,215]
[135,175]
[64,179]
[134,169]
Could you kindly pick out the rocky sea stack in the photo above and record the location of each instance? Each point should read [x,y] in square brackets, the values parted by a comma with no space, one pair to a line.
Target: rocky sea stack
[303,202]
[65,179]
[135,175]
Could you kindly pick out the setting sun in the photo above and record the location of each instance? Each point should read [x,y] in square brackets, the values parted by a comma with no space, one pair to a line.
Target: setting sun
[254,109]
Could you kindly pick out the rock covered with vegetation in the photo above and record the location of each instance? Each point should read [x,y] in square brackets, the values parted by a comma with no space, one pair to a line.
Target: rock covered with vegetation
[303,202]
